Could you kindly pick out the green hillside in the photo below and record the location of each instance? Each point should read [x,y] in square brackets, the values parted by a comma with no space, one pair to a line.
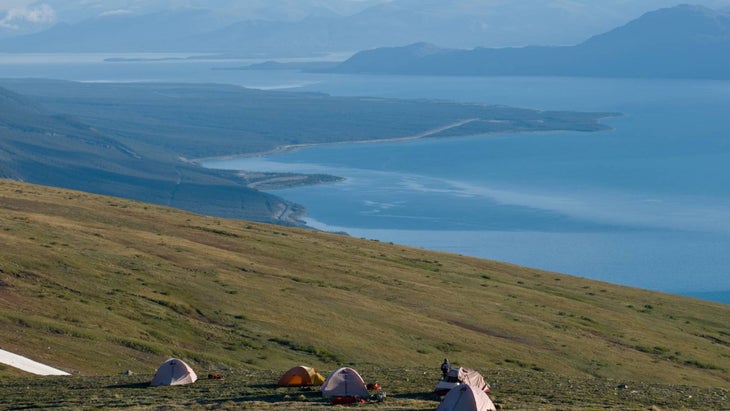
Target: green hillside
[97,285]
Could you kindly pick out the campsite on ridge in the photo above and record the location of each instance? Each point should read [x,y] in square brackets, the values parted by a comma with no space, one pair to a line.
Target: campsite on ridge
[97,285]
[391,205]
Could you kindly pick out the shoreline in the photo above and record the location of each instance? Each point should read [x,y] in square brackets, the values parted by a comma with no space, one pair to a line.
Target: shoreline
[303,181]
[290,148]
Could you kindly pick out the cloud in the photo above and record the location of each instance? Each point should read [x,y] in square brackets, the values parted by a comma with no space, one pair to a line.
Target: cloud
[37,15]
[116,12]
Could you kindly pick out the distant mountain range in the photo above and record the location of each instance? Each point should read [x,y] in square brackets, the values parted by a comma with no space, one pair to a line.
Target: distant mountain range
[317,26]
[118,32]
[679,42]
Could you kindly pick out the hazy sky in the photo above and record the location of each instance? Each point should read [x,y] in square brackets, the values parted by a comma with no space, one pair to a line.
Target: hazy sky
[20,12]
[523,18]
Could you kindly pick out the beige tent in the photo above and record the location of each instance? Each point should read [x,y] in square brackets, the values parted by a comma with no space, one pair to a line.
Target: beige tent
[473,378]
[299,376]
[466,397]
[461,375]
[174,372]
[344,382]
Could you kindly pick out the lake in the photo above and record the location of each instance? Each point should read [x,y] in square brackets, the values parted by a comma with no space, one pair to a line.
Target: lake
[646,204]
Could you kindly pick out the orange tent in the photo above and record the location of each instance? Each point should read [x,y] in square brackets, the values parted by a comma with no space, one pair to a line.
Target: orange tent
[299,376]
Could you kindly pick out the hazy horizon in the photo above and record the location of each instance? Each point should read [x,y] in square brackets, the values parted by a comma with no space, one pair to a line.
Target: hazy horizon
[492,23]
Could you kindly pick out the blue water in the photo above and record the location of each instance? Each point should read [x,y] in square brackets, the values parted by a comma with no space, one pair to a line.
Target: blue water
[646,204]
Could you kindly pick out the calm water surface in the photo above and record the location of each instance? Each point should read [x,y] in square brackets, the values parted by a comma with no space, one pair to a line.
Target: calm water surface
[646,204]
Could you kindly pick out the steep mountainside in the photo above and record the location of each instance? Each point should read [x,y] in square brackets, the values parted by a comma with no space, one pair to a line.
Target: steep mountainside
[97,285]
[61,150]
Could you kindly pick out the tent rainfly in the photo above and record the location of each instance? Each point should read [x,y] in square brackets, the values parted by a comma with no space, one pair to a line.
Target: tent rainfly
[344,382]
[466,397]
[299,376]
[461,375]
[174,372]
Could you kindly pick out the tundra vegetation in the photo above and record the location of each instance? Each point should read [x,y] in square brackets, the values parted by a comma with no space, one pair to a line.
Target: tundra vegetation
[98,285]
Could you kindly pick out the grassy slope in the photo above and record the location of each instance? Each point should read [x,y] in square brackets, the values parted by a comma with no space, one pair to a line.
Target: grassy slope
[97,285]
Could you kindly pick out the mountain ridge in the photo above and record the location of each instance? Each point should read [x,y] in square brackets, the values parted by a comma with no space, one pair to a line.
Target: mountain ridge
[47,146]
[649,46]
[275,31]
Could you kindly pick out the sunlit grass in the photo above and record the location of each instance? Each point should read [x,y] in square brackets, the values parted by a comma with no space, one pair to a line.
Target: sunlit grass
[96,285]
